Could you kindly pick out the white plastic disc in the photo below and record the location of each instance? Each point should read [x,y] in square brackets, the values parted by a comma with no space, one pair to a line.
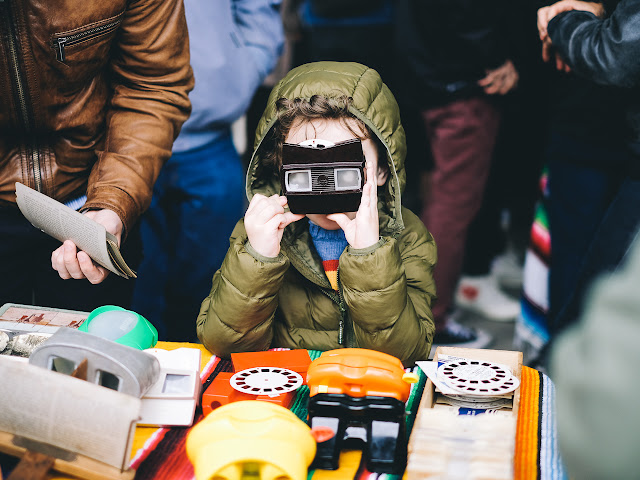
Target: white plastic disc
[316,143]
[270,381]
[473,377]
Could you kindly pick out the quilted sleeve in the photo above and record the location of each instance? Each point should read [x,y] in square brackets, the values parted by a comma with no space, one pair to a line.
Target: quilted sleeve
[388,289]
[237,316]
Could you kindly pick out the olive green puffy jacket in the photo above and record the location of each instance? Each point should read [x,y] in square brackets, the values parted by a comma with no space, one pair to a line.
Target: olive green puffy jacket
[386,290]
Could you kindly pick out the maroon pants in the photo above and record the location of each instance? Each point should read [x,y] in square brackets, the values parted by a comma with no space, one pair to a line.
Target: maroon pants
[462,136]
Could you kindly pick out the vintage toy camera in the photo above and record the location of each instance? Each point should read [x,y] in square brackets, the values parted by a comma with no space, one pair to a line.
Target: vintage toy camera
[318,176]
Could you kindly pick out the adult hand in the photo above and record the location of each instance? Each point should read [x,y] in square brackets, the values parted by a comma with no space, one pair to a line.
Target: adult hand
[265,222]
[70,262]
[500,80]
[545,14]
[548,53]
[363,231]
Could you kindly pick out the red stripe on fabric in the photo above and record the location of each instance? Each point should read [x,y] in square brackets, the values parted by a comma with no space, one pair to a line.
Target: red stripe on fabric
[331,264]
[541,240]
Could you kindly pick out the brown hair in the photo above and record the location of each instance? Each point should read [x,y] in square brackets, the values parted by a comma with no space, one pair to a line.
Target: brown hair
[296,112]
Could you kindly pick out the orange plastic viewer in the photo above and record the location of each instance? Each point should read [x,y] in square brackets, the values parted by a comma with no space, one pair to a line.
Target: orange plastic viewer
[296,360]
[358,372]
[220,392]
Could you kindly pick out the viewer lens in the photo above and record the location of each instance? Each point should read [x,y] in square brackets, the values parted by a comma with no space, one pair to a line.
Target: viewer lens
[347,179]
[298,181]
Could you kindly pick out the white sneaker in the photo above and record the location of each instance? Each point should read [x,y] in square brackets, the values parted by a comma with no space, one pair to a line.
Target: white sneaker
[483,296]
[508,270]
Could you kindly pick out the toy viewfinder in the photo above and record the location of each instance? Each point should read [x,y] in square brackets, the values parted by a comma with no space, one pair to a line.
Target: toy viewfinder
[321,177]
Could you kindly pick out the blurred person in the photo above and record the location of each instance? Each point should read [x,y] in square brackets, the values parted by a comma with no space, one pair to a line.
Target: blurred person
[581,38]
[586,160]
[347,31]
[498,235]
[594,364]
[199,194]
[454,65]
[93,98]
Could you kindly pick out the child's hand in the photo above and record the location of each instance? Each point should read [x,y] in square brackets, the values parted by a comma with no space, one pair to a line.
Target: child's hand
[265,221]
[363,231]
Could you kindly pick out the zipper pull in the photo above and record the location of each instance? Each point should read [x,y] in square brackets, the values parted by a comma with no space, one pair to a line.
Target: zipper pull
[58,44]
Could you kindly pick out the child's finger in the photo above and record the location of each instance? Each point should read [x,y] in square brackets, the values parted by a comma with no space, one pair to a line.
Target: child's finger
[289,217]
[370,173]
[266,211]
[281,220]
[373,192]
[365,201]
[257,198]
[340,218]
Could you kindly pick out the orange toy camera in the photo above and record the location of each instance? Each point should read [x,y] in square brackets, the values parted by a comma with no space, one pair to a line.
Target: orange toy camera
[359,372]
[359,395]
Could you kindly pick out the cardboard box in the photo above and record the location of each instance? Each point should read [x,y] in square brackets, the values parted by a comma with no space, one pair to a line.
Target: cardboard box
[444,443]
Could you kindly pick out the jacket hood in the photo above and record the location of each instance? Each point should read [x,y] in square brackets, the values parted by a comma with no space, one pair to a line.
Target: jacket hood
[373,103]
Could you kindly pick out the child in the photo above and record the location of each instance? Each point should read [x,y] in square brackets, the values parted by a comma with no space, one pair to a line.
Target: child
[354,279]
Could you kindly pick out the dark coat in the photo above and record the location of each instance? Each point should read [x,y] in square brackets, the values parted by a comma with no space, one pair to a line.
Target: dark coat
[604,50]
[445,46]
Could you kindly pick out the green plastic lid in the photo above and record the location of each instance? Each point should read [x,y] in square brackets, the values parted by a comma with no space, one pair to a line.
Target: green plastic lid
[121,326]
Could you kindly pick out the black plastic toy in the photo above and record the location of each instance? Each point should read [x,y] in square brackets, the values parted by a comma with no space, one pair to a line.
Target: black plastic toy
[378,422]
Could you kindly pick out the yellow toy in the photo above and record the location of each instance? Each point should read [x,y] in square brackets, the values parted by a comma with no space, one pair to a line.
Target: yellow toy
[251,439]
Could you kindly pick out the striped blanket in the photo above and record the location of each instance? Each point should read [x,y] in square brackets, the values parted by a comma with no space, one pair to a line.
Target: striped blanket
[163,454]
[532,331]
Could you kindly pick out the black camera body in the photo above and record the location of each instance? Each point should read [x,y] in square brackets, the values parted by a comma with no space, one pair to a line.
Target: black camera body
[324,178]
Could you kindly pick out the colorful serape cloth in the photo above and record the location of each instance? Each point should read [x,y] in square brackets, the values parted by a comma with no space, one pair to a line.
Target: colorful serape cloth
[163,455]
[531,331]
[537,456]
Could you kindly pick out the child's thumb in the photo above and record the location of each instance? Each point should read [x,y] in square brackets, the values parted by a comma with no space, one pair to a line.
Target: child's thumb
[340,218]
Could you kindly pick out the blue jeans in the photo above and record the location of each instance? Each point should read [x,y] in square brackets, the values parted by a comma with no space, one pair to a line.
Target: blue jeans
[197,200]
[580,194]
[607,251]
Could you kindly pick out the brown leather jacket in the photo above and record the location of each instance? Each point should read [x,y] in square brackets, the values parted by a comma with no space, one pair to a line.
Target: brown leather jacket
[92,95]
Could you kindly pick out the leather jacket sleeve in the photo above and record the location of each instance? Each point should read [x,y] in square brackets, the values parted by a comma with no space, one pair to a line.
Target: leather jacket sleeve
[606,51]
[151,78]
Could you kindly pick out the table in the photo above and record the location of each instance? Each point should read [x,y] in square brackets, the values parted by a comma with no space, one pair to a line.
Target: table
[159,453]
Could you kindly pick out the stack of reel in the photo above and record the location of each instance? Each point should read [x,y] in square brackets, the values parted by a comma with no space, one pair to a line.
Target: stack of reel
[466,425]
[473,384]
